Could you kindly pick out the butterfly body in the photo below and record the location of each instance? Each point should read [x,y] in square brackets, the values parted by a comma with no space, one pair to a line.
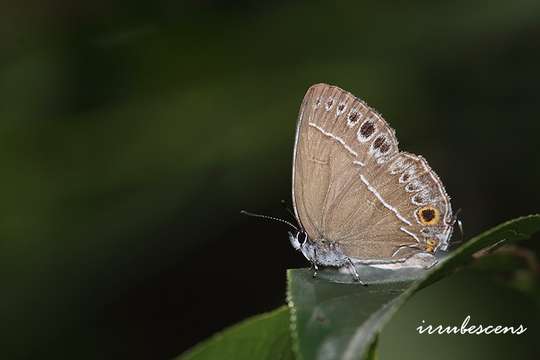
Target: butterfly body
[356,197]
[320,252]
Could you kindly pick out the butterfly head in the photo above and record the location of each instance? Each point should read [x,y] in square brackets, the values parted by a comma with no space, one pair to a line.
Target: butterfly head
[298,239]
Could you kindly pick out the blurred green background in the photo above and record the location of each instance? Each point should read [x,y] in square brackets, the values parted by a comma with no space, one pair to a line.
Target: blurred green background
[132,133]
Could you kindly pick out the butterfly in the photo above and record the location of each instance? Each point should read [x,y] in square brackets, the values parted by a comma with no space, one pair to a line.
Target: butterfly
[356,197]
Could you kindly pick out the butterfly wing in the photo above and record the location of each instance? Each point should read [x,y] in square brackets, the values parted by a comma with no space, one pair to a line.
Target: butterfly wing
[352,186]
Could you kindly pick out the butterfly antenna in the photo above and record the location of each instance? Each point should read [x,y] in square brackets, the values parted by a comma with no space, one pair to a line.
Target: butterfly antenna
[269,218]
[284,204]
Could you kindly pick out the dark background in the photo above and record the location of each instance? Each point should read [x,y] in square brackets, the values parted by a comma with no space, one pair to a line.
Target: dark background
[131,134]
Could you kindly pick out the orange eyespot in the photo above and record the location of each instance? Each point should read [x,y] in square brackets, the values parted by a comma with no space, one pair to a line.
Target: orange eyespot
[429,215]
[431,244]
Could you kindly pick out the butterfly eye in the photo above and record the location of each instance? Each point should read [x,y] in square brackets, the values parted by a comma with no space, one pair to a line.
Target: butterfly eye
[428,215]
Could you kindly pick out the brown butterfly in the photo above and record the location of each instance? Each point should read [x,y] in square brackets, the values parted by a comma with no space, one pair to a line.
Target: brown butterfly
[357,198]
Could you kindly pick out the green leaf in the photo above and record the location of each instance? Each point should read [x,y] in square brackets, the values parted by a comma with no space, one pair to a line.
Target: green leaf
[372,352]
[264,336]
[338,320]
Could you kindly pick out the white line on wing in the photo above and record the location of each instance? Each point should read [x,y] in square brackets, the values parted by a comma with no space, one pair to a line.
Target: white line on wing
[410,233]
[388,206]
[337,138]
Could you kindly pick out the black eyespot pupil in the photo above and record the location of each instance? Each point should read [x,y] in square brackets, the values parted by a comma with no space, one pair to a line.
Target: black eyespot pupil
[378,142]
[367,129]
[428,214]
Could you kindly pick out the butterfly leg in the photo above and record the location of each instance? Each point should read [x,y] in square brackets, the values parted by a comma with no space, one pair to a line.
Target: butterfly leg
[314,263]
[314,268]
[354,272]
[459,223]
[461,235]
